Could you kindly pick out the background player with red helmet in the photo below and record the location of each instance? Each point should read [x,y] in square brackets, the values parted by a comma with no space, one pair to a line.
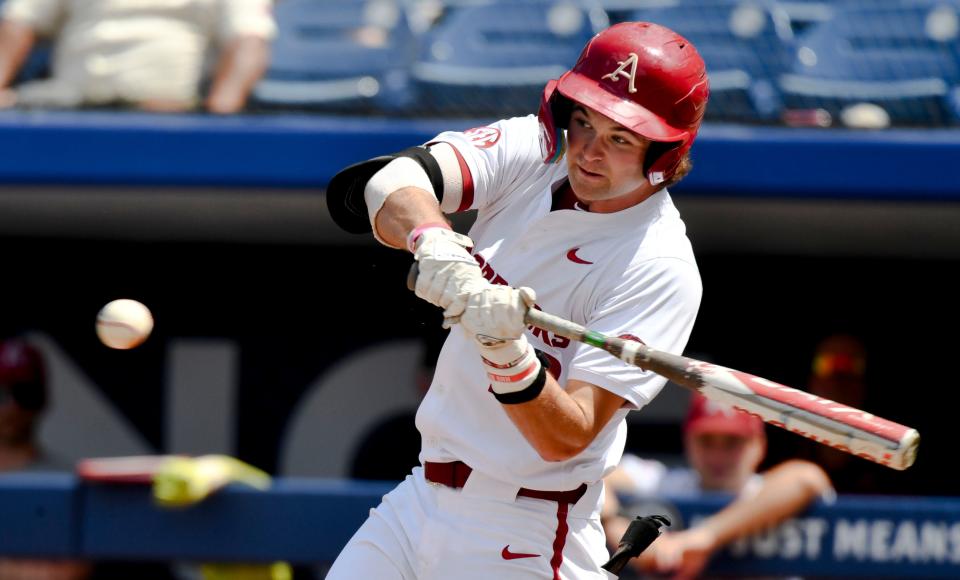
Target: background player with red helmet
[23,396]
[724,448]
[23,399]
[572,216]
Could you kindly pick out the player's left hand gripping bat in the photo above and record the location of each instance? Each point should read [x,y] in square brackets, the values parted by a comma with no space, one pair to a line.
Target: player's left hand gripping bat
[825,421]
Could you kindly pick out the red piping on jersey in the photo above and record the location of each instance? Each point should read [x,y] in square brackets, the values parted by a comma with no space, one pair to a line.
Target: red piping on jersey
[466,198]
[560,539]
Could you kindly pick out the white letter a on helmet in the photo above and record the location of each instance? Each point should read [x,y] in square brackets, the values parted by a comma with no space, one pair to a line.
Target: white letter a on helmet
[622,70]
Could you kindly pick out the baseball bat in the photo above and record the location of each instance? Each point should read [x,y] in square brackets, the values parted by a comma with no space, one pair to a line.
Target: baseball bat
[828,422]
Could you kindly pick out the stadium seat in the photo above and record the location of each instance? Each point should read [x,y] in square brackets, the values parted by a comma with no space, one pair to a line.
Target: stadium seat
[494,59]
[903,58]
[806,13]
[340,56]
[746,45]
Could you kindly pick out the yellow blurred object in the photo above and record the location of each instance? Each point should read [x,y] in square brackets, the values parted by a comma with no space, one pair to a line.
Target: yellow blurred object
[275,571]
[184,481]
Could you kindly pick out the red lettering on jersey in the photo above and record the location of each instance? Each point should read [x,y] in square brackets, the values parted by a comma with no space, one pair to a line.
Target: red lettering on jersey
[540,333]
[483,137]
[490,275]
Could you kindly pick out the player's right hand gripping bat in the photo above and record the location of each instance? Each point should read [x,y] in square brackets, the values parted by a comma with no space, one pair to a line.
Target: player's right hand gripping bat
[825,421]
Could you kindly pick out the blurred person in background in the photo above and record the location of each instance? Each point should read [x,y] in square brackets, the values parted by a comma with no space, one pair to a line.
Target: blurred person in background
[146,54]
[838,372]
[724,448]
[23,399]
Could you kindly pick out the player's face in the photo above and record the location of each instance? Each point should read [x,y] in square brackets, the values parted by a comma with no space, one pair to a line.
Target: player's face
[605,162]
[724,461]
[16,424]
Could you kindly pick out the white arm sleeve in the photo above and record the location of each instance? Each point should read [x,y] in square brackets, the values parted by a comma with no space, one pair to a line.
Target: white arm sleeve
[478,166]
[399,173]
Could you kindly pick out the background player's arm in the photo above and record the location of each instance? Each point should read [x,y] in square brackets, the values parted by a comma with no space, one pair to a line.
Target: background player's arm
[561,423]
[16,41]
[241,64]
[786,490]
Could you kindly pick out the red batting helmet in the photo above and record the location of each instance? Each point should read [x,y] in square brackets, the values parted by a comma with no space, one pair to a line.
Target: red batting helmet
[706,416]
[22,374]
[645,77]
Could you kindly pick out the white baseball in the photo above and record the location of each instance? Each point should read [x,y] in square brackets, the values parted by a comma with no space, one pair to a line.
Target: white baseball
[124,324]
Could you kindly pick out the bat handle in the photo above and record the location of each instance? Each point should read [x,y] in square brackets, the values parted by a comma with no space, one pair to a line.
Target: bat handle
[412,276]
[533,316]
[641,532]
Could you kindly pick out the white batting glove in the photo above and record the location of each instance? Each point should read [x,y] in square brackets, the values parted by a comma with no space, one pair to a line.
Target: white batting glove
[448,273]
[494,318]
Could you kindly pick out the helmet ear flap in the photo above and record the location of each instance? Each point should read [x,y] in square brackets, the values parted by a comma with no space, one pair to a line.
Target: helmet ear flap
[661,160]
[562,110]
[553,142]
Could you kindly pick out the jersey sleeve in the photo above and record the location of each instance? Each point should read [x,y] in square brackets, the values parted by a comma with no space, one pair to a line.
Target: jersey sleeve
[655,302]
[247,18]
[645,475]
[493,160]
[44,16]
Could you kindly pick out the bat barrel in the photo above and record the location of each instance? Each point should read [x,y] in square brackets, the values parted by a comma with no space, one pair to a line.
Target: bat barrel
[828,422]
[822,420]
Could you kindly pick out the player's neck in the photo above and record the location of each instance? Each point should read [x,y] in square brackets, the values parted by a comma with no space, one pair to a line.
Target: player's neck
[565,198]
[621,202]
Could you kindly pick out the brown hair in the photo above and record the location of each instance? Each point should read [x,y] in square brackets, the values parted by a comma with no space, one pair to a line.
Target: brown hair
[683,168]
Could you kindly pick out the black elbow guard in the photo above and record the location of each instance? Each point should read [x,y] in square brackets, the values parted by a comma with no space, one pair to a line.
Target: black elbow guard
[345,191]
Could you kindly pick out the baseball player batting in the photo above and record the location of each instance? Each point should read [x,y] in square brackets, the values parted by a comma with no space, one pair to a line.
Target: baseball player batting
[519,426]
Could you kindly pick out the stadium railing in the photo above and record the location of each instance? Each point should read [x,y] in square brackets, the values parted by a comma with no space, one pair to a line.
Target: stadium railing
[307,521]
[302,151]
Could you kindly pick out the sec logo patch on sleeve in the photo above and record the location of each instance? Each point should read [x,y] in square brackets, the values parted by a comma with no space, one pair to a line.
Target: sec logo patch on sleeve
[483,137]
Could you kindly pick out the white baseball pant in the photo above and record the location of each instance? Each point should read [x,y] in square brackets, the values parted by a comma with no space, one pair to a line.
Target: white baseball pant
[422,531]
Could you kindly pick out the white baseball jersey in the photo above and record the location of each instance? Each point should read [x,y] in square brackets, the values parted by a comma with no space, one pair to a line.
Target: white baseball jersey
[653,479]
[626,273]
[630,272]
